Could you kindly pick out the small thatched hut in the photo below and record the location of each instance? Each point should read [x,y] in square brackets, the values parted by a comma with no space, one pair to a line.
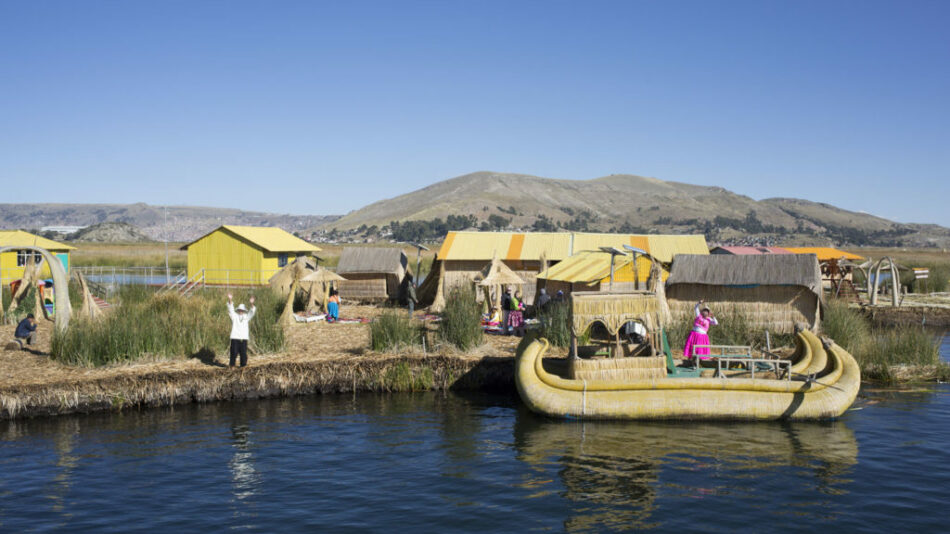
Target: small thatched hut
[373,274]
[494,278]
[773,291]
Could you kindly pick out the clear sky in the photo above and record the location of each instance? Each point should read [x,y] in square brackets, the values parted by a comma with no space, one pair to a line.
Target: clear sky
[320,108]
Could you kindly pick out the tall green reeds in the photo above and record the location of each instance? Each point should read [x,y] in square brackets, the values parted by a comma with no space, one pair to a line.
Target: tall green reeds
[881,351]
[555,324]
[143,324]
[461,323]
[394,331]
[846,326]
[937,281]
[735,328]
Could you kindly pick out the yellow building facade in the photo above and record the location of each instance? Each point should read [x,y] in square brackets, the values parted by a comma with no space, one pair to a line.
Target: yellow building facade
[243,255]
[13,262]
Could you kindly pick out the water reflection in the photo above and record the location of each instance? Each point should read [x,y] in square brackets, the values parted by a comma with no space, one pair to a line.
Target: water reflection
[613,473]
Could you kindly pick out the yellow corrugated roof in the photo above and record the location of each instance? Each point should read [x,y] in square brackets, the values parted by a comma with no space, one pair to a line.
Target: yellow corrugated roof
[560,245]
[591,241]
[664,247]
[825,253]
[269,238]
[19,238]
[589,267]
[505,246]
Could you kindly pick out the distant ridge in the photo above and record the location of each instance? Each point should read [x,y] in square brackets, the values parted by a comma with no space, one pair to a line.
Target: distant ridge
[184,222]
[630,202]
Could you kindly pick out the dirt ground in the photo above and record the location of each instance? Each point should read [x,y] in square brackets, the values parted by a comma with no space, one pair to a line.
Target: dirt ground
[306,342]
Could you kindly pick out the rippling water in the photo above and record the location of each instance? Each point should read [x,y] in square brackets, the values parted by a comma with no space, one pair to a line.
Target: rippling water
[439,462]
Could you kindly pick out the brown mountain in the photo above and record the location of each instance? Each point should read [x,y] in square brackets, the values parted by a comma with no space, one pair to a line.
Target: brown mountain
[637,203]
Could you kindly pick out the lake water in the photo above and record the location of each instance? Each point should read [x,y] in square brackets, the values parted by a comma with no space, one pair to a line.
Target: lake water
[436,462]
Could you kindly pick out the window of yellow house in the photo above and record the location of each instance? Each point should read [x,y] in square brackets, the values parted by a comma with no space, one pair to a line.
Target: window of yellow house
[23,256]
[281,260]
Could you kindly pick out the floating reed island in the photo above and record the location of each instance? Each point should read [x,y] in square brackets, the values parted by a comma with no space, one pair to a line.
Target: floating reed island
[155,349]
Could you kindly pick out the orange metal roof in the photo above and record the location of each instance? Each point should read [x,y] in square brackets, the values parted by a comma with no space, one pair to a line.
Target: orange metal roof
[825,253]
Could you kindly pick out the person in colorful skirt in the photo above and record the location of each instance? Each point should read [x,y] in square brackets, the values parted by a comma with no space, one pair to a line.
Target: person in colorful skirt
[700,333]
[333,306]
[516,315]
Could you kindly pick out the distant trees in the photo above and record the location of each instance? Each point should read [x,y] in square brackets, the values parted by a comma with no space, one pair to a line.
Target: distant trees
[431,230]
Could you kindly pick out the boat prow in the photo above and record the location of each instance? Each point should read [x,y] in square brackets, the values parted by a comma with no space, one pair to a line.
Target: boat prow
[825,384]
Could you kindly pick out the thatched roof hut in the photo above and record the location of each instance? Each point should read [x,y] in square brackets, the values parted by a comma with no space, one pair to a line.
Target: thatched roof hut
[293,272]
[372,274]
[773,292]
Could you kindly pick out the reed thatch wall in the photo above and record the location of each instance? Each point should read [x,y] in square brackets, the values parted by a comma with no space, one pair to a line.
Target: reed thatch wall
[776,308]
[368,287]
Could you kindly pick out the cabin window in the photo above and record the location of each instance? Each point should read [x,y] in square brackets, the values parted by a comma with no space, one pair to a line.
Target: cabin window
[23,256]
[281,260]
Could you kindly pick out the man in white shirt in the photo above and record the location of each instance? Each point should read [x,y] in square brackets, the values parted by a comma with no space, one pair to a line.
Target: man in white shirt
[240,329]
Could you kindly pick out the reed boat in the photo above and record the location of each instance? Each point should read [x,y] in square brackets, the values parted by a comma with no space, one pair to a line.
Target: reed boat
[819,381]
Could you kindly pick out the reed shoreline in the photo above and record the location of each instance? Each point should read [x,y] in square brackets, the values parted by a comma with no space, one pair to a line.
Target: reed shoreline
[153,388]
[319,359]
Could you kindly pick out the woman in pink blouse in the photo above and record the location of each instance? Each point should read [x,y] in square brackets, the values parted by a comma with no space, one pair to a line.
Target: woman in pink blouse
[700,333]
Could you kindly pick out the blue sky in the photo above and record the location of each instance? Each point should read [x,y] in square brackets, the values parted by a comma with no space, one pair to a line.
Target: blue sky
[322,108]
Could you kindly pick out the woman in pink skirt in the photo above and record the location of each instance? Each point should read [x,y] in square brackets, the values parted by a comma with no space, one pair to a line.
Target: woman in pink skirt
[699,334]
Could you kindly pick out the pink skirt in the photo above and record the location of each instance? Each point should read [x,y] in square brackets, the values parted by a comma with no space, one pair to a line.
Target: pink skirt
[695,338]
[515,319]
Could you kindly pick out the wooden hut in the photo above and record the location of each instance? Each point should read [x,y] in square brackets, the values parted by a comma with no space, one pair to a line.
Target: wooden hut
[243,255]
[13,262]
[774,292]
[372,274]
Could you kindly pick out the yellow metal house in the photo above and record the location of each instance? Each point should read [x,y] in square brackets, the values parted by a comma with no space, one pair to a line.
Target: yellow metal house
[13,262]
[463,254]
[243,255]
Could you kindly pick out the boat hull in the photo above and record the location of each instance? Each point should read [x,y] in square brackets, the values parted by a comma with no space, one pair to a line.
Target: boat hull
[826,397]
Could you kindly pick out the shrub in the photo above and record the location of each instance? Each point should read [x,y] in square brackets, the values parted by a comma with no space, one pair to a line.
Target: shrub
[461,324]
[167,326]
[393,331]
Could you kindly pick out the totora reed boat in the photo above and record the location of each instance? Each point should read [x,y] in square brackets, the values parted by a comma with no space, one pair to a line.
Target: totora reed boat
[819,381]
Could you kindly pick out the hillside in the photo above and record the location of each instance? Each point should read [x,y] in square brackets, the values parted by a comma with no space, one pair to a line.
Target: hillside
[184,222]
[110,232]
[639,204]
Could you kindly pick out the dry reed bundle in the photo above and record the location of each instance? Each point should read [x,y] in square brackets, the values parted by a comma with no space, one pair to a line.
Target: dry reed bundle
[618,369]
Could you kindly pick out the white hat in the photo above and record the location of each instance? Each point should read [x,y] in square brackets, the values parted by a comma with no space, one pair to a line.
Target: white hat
[241,308]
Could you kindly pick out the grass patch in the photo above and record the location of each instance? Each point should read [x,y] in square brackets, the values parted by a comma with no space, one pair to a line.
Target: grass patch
[168,326]
[461,323]
[394,331]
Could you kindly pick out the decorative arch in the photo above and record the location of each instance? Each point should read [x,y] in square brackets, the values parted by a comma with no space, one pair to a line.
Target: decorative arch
[895,281]
[60,284]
